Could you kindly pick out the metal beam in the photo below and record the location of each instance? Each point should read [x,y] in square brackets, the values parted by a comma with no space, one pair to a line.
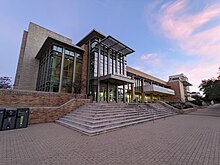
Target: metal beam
[61,70]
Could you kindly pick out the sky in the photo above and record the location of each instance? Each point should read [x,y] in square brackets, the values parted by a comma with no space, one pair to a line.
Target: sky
[169,36]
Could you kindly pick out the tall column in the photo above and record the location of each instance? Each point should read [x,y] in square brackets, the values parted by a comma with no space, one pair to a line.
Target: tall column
[124,96]
[142,91]
[132,90]
[74,71]
[124,72]
[88,68]
[108,95]
[116,94]
[61,70]
[108,62]
[116,63]
[98,72]
[151,97]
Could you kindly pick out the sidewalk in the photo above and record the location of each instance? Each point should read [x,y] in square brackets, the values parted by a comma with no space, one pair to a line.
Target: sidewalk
[183,139]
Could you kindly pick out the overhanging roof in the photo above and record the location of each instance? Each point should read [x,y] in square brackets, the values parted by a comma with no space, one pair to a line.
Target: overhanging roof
[145,76]
[116,79]
[91,34]
[158,89]
[49,41]
[113,43]
[186,83]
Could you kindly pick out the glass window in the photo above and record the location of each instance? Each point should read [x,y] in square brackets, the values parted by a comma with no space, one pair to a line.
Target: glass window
[57,48]
[67,74]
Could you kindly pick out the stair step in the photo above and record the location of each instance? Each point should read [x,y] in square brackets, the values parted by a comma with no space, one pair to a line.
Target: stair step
[105,129]
[93,122]
[95,118]
[100,117]
[95,126]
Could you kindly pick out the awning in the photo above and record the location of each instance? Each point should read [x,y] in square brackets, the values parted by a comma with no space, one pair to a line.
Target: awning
[49,41]
[158,89]
[116,79]
[112,43]
[186,83]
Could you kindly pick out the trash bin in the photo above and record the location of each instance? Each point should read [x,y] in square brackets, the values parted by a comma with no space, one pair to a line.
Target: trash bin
[9,119]
[22,118]
[2,114]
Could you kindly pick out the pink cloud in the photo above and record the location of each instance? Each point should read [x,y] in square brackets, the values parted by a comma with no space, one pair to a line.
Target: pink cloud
[181,28]
[152,59]
[177,24]
[196,73]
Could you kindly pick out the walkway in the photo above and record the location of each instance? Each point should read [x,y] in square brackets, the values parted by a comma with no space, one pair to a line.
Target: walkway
[182,139]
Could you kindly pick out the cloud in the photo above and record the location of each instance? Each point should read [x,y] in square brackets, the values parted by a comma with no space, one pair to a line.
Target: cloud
[193,32]
[152,59]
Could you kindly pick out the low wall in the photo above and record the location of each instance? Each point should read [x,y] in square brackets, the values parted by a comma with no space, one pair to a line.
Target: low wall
[189,110]
[50,114]
[24,98]
[44,106]
[178,111]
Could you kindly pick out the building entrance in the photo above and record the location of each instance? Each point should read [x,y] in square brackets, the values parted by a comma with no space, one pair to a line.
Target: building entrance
[107,92]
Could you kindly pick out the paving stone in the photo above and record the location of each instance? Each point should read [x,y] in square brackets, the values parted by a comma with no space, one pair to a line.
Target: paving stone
[182,139]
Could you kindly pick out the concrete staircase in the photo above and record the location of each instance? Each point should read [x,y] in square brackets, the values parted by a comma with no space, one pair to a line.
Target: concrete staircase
[96,118]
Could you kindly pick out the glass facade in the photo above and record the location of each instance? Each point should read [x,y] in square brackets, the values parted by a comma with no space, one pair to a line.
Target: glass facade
[105,61]
[60,70]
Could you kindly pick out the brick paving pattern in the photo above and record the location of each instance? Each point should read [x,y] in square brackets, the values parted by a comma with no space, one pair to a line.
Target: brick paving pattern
[182,140]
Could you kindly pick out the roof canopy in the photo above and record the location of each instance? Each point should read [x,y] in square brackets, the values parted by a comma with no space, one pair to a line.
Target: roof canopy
[186,83]
[93,33]
[116,79]
[112,43]
[49,41]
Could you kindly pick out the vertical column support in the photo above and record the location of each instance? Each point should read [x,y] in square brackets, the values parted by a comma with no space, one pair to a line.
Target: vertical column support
[116,96]
[98,72]
[61,70]
[108,62]
[142,91]
[88,68]
[116,63]
[132,90]
[123,62]
[151,97]
[108,86]
[124,98]
[74,72]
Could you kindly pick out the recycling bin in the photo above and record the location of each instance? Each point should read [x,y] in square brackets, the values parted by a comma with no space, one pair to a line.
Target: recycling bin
[22,118]
[9,119]
[2,114]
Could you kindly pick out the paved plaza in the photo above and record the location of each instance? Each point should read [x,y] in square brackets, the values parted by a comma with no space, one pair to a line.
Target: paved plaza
[182,139]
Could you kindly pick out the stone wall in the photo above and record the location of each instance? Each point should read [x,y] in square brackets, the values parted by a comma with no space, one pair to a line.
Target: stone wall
[24,98]
[26,78]
[179,96]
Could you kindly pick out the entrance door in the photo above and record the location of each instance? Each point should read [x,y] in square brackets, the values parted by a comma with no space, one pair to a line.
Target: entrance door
[103,93]
[112,93]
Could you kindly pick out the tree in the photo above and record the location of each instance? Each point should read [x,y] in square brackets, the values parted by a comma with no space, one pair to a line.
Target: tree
[211,89]
[197,100]
[5,83]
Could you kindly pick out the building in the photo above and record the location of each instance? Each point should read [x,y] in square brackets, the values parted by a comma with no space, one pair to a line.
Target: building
[181,85]
[95,66]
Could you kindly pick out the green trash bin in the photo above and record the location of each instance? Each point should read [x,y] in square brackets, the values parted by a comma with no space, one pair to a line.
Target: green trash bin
[2,114]
[22,118]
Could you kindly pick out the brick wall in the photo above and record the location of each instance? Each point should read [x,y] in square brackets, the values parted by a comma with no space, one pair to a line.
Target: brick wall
[44,106]
[50,114]
[24,98]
